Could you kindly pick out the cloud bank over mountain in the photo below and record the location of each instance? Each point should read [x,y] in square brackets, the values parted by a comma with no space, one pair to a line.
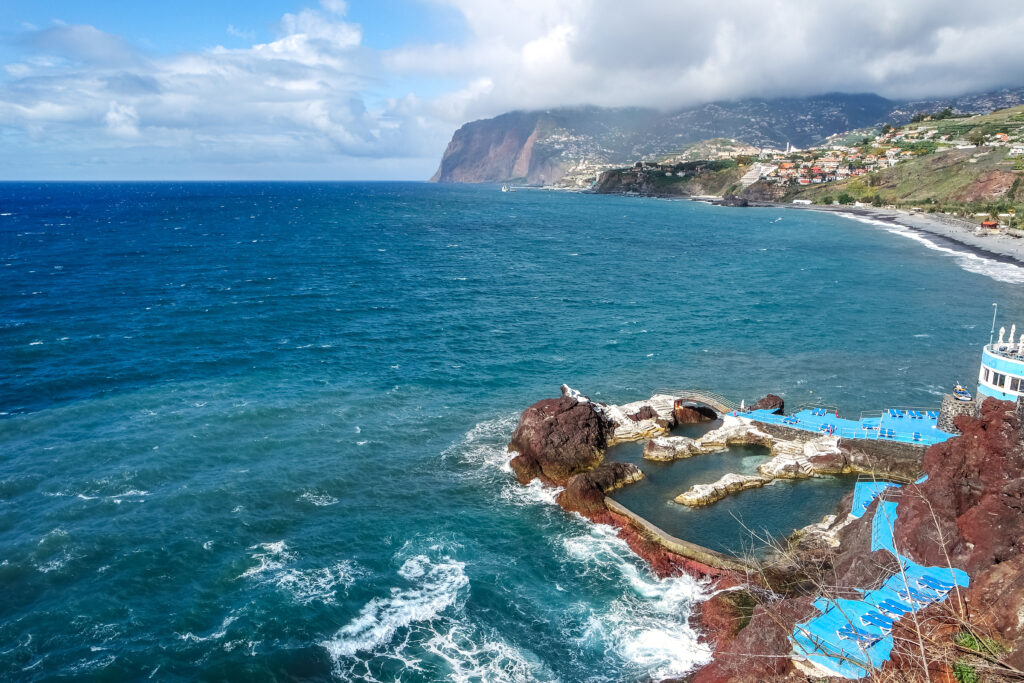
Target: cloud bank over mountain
[317,101]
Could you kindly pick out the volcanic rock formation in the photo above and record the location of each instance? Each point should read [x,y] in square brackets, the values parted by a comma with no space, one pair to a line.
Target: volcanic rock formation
[559,437]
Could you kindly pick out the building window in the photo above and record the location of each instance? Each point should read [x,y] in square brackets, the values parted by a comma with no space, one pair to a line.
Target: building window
[998,379]
[986,375]
[1015,383]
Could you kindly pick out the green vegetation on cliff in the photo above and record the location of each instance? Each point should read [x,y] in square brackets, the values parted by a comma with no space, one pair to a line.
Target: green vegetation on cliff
[944,173]
[687,179]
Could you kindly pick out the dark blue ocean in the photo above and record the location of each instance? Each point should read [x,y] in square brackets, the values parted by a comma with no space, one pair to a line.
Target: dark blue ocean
[256,431]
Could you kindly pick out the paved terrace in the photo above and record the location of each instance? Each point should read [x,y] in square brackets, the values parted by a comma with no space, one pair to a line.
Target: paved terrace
[895,424]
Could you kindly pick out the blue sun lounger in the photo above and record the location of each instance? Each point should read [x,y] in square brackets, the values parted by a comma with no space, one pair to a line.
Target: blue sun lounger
[933,415]
[878,620]
[914,595]
[895,413]
[887,433]
[939,589]
[851,632]
[915,414]
[917,436]
[894,608]
[929,581]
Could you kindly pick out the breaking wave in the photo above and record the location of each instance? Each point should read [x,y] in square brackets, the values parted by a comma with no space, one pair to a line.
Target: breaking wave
[484,451]
[435,588]
[421,626]
[318,498]
[318,584]
[647,628]
[969,261]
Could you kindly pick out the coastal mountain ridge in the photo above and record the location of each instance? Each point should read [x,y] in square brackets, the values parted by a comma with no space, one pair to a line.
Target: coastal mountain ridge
[541,147]
[965,167]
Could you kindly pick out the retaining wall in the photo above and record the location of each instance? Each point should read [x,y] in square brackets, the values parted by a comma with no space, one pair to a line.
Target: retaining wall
[865,456]
[690,551]
[951,408]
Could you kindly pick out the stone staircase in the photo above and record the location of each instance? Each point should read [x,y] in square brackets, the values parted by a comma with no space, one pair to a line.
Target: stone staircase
[751,176]
[796,455]
[794,452]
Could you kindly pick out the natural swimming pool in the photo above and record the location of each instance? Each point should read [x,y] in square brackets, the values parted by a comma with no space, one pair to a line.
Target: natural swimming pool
[777,509]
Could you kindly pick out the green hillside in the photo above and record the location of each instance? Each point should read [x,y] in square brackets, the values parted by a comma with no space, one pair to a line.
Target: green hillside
[940,176]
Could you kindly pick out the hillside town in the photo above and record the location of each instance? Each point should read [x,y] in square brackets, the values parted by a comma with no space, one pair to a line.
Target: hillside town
[834,160]
[841,156]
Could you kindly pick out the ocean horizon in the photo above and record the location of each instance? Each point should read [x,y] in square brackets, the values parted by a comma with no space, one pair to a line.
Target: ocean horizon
[257,430]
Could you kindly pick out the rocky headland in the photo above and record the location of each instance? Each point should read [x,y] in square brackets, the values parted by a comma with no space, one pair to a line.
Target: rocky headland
[968,514]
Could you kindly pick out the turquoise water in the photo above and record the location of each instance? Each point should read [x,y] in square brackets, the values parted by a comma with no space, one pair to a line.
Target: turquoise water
[256,431]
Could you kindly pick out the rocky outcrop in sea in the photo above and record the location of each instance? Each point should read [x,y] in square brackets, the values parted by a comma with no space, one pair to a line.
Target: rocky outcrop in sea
[968,514]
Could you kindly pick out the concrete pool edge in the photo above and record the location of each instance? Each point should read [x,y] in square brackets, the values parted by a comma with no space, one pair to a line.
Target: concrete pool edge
[678,546]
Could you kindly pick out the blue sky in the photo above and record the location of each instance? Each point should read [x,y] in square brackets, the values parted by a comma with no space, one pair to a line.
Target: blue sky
[327,89]
[198,24]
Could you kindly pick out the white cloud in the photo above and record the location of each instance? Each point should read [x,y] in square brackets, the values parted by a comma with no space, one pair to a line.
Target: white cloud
[122,120]
[672,54]
[339,7]
[240,33]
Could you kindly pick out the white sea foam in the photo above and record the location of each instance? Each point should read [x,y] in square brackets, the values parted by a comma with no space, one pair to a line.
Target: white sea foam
[133,496]
[485,445]
[52,534]
[93,664]
[534,493]
[318,498]
[318,585]
[130,493]
[969,261]
[216,635]
[57,563]
[435,588]
[647,628]
[271,557]
[471,656]
[426,617]
[485,449]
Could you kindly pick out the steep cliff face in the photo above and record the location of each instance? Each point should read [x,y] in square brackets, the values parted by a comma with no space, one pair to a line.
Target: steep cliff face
[499,150]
